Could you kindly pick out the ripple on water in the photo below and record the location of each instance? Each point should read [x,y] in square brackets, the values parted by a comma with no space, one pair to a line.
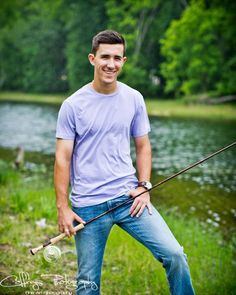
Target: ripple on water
[179,143]
[176,143]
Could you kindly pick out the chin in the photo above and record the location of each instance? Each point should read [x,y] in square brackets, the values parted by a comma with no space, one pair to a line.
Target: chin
[109,81]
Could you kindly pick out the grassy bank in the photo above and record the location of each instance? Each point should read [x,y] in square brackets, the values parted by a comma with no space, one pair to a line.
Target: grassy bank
[180,109]
[155,107]
[32,97]
[27,197]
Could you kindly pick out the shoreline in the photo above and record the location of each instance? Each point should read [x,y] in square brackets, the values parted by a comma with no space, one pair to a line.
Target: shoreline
[173,197]
[167,108]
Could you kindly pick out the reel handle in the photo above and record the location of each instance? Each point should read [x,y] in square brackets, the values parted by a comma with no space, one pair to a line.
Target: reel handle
[55,240]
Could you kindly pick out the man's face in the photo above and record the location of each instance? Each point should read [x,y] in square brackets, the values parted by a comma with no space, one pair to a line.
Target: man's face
[107,62]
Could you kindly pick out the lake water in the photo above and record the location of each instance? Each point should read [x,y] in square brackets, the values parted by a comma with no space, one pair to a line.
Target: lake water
[176,143]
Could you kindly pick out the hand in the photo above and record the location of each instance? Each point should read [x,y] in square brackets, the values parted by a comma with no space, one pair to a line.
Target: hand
[140,202]
[65,221]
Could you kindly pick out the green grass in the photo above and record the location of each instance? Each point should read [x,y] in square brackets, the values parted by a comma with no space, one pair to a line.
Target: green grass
[179,108]
[129,268]
[31,97]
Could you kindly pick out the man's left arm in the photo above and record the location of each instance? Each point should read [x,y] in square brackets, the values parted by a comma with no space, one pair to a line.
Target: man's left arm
[144,166]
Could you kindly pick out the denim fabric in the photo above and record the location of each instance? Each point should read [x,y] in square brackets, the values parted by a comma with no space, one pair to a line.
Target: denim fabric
[150,230]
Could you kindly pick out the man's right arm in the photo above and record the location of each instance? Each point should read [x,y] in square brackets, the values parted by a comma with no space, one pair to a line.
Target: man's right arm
[66,216]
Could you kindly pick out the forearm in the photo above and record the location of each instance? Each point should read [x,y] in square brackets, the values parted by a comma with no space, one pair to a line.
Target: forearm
[144,166]
[66,216]
[144,162]
[61,183]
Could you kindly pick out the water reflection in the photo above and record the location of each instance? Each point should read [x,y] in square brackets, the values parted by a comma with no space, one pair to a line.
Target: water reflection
[29,126]
[176,143]
[179,143]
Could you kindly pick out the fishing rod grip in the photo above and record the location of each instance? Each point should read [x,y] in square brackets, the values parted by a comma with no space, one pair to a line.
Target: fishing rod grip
[63,235]
[55,239]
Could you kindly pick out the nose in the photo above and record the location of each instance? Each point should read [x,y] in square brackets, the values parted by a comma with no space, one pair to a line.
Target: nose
[110,63]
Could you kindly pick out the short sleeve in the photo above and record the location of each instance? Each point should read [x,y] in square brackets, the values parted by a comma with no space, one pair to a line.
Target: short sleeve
[140,124]
[66,122]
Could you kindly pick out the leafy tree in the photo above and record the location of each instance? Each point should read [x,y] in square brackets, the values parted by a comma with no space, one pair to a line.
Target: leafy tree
[198,50]
[43,43]
[10,11]
[143,24]
[83,19]
[10,53]
[10,59]
[32,49]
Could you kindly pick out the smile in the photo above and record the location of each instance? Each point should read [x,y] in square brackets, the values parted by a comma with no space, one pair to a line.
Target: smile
[110,72]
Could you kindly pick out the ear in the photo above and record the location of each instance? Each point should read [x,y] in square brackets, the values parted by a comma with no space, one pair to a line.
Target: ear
[124,59]
[91,58]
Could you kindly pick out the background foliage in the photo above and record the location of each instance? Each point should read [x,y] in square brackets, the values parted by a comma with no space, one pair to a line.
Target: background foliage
[174,47]
[198,51]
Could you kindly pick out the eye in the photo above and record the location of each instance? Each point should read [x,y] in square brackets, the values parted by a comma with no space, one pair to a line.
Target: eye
[105,56]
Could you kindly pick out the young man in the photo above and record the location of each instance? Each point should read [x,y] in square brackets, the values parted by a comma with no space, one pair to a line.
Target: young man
[94,128]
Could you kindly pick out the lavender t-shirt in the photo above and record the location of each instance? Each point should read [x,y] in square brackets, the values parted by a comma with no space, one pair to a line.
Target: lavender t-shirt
[101,126]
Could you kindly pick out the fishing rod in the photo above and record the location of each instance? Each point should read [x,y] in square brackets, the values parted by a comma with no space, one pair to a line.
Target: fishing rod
[82,225]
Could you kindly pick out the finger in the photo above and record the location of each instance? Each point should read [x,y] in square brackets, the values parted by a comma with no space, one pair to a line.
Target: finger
[136,210]
[134,205]
[78,218]
[67,231]
[71,229]
[68,228]
[141,210]
[131,194]
[61,228]
[149,206]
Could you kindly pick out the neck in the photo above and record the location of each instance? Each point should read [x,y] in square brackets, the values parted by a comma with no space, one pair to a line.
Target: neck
[104,87]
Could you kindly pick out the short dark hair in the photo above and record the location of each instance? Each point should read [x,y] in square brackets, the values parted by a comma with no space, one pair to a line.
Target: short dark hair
[107,37]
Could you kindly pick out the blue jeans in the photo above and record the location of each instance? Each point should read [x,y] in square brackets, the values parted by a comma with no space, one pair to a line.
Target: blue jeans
[150,230]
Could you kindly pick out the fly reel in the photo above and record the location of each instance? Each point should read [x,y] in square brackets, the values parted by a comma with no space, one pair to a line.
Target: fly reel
[51,253]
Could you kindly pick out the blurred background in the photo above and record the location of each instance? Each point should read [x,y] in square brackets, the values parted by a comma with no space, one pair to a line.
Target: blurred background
[182,58]
[174,48]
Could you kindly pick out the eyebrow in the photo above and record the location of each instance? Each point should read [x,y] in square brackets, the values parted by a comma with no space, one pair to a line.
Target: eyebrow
[108,55]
